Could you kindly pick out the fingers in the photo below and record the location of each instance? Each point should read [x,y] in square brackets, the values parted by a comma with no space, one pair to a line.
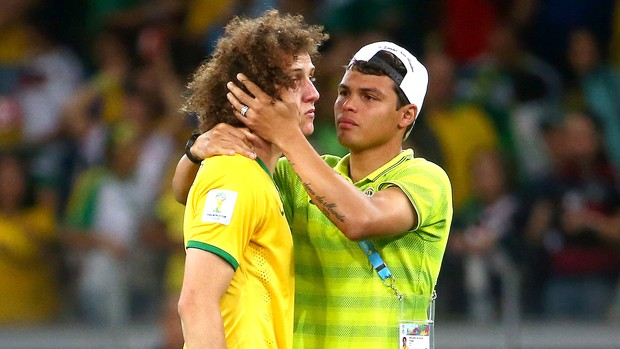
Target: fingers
[224,139]
[251,137]
[243,99]
[238,147]
[199,148]
[240,97]
[223,130]
[237,105]
[254,89]
[242,142]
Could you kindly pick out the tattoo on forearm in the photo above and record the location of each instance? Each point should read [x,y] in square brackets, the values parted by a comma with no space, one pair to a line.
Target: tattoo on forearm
[328,208]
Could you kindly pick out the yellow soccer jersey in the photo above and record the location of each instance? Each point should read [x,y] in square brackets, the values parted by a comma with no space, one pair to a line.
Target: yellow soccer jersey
[27,278]
[234,210]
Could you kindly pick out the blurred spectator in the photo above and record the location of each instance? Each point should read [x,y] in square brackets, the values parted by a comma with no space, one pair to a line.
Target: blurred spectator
[596,87]
[141,59]
[527,122]
[573,216]
[516,89]
[458,130]
[553,20]
[466,27]
[404,21]
[35,68]
[205,19]
[28,253]
[461,128]
[13,41]
[48,79]
[101,233]
[159,75]
[163,232]
[142,121]
[152,144]
[309,9]
[505,72]
[533,218]
[98,103]
[483,233]
[165,44]
[91,18]
[202,15]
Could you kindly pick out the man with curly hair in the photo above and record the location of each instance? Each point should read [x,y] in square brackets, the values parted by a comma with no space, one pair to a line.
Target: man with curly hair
[238,287]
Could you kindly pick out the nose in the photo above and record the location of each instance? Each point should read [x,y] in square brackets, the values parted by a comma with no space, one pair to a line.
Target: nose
[346,102]
[311,94]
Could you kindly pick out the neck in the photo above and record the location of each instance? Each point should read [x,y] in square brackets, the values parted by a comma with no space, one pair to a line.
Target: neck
[268,153]
[364,162]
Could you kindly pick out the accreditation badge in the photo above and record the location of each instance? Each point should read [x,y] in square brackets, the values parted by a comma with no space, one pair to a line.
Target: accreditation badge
[415,334]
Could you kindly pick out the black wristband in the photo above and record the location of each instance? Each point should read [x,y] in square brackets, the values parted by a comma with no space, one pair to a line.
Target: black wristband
[188,152]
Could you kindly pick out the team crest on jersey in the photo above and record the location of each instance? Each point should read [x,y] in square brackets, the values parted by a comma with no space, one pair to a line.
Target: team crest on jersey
[370,191]
[219,206]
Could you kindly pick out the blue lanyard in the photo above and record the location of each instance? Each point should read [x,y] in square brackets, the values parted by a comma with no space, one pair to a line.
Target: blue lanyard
[377,263]
[375,259]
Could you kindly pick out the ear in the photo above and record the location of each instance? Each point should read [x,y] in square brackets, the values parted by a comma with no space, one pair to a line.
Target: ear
[409,115]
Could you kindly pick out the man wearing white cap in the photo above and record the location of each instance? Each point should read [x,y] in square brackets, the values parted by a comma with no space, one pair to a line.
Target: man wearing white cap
[370,228]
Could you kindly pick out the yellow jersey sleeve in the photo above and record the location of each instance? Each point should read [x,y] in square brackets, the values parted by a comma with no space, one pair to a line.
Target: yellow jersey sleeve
[221,213]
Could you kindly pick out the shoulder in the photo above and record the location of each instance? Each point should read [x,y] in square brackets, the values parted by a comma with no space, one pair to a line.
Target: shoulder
[230,160]
[422,167]
[418,176]
[229,165]
[285,170]
[332,160]
[236,171]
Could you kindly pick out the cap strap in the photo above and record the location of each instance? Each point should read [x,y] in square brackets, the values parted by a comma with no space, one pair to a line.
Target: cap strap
[389,70]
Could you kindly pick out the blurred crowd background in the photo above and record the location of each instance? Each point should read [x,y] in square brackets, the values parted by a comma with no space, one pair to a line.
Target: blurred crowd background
[522,111]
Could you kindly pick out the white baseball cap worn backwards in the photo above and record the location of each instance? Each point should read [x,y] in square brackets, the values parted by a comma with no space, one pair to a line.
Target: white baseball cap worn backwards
[413,84]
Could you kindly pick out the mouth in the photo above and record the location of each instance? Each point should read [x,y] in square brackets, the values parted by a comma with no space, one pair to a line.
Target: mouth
[310,113]
[346,123]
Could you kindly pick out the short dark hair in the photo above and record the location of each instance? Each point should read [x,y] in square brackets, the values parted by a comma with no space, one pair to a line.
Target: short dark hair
[374,69]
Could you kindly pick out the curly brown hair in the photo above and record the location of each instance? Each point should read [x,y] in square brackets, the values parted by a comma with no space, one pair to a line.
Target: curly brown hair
[261,48]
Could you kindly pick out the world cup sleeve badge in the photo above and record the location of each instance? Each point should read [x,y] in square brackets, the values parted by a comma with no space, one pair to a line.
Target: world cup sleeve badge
[219,206]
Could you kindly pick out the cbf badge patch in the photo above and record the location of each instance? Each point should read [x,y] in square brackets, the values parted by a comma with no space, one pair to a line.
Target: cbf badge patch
[219,206]
[370,191]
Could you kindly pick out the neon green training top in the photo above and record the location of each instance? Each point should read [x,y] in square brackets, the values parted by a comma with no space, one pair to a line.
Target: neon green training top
[340,301]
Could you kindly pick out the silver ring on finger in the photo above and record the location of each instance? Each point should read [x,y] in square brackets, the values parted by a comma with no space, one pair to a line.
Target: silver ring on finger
[244,110]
